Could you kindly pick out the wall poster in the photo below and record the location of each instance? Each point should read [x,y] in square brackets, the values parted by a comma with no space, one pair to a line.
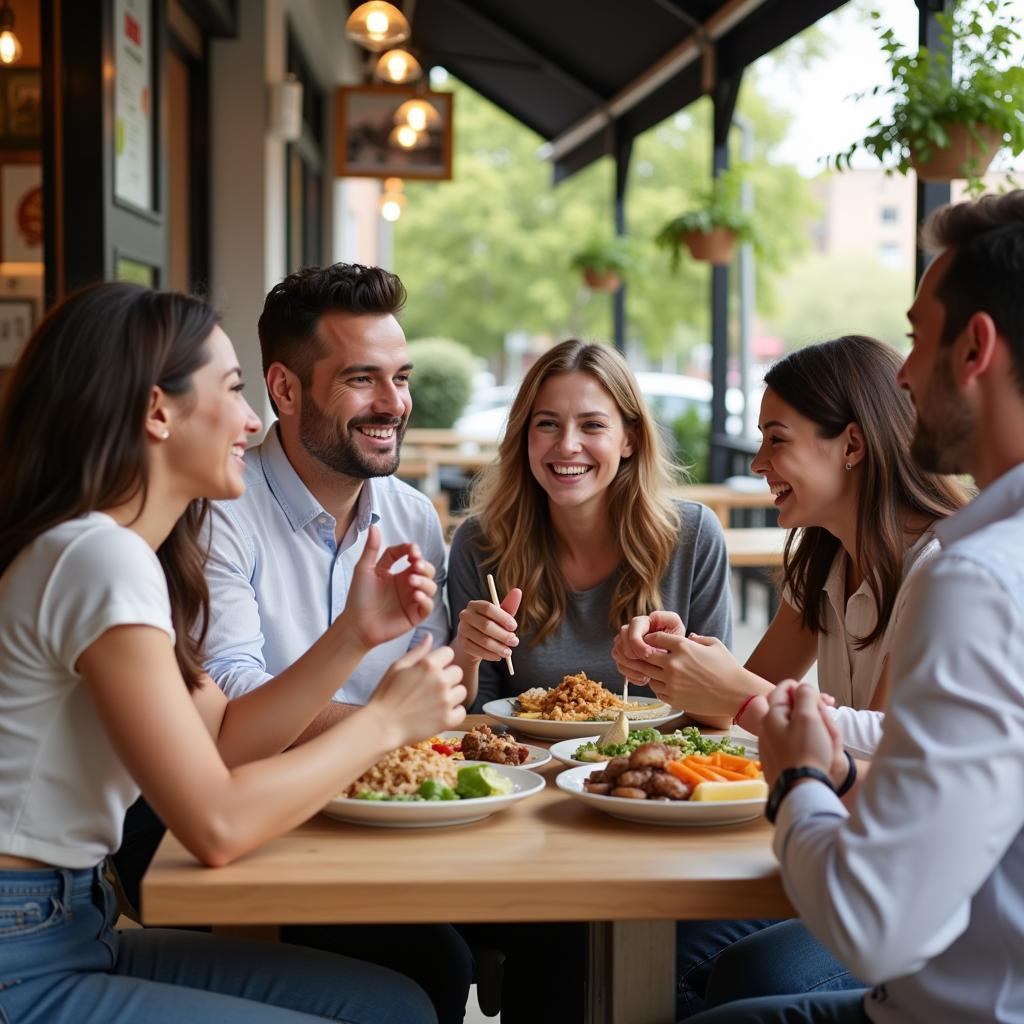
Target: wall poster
[134,137]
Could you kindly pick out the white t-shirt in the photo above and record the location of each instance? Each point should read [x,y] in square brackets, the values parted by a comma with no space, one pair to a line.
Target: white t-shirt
[63,790]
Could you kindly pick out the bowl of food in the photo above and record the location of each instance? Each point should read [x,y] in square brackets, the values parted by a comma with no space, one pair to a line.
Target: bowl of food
[573,708]
[417,787]
[654,785]
[688,740]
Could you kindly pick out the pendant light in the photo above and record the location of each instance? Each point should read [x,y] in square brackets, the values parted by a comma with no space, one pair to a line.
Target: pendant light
[377,25]
[397,67]
[10,44]
[406,137]
[418,115]
[392,200]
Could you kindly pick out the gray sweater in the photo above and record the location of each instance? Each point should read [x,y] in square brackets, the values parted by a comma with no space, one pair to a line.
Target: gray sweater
[695,585]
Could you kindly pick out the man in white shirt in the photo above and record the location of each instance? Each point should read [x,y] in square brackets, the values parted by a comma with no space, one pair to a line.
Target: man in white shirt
[919,888]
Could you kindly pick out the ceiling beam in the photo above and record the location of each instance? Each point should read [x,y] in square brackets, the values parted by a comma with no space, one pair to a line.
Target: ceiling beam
[689,50]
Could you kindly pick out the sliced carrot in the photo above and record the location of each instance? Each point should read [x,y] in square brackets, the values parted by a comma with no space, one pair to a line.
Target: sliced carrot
[704,770]
[732,761]
[684,773]
[728,773]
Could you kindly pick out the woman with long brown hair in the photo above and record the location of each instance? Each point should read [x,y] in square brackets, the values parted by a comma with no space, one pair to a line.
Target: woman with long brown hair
[836,452]
[122,417]
[576,521]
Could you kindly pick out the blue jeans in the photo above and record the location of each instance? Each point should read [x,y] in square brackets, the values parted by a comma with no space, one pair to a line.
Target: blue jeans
[62,962]
[817,1008]
[720,961]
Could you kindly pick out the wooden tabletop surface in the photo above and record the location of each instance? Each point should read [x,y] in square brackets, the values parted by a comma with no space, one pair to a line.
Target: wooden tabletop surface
[549,857]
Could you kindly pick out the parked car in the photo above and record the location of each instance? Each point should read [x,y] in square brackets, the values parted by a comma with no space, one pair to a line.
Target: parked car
[669,396]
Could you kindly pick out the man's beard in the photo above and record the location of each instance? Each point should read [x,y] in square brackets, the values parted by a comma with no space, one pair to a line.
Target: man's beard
[941,433]
[337,449]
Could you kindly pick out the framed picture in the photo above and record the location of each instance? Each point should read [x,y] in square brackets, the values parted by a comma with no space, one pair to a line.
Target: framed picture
[21,210]
[134,107]
[21,108]
[373,140]
[17,318]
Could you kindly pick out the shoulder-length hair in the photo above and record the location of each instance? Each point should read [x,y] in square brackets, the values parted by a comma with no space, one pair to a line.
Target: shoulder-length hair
[71,429]
[853,380]
[518,539]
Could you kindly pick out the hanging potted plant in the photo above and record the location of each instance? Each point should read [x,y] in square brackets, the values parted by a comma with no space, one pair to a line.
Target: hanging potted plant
[713,228]
[604,262]
[951,126]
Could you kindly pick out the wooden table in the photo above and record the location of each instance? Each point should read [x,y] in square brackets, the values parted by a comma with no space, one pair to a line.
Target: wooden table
[722,499]
[548,858]
[760,546]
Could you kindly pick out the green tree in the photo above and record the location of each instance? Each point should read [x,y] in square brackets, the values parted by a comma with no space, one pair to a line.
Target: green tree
[489,252]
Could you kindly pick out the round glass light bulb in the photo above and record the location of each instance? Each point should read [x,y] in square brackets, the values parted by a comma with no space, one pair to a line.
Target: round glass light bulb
[377,23]
[406,136]
[390,210]
[10,47]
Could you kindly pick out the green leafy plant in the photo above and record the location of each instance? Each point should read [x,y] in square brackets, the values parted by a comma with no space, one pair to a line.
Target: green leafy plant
[719,206]
[690,434]
[984,93]
[604,255]
[442,381]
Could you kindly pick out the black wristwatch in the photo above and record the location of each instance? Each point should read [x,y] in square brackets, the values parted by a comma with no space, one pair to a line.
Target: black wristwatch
[785,782]
[851,775]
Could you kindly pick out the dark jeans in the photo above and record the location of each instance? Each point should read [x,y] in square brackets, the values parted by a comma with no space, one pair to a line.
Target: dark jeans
[433,955]
[721,961]
[817,1008]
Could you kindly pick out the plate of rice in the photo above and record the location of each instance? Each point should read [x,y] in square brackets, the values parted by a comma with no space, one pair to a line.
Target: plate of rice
[413,787]
[576,707]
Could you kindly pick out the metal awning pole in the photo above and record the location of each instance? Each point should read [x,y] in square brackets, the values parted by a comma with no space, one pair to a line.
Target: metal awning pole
[623,151]
[724,97]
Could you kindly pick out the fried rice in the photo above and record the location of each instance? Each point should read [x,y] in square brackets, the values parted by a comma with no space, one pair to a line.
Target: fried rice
[403,770]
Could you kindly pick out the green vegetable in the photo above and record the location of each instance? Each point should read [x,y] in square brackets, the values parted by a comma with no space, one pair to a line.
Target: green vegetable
[431,789]
[482,780]
[689,741]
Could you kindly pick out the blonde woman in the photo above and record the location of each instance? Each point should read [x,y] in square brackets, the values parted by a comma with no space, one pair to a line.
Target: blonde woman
[576,521]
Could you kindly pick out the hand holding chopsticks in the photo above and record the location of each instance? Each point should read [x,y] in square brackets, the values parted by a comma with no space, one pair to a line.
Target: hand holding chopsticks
[487,626]
[494,600]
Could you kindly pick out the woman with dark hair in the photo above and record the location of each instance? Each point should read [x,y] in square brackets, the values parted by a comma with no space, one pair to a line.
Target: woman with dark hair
[836,452]
[576,521]
[123,416]
[836,432]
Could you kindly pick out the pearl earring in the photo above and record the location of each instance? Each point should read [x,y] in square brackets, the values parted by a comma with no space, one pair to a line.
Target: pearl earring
[849,465]
[166,434]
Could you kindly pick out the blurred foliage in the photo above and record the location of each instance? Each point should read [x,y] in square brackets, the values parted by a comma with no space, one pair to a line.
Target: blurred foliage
[690,433]
[489,252]
[828,296]
[442,381]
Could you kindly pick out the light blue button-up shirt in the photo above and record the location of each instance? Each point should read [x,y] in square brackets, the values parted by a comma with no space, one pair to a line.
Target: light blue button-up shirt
[277,578]
[920,889]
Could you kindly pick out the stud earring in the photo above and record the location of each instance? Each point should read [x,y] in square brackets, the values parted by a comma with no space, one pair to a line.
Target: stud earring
[166,434]
[849,465]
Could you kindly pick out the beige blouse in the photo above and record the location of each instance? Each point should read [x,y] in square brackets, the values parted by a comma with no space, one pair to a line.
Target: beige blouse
[848,674]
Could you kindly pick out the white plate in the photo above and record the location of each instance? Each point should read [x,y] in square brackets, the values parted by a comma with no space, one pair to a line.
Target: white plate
[431,813]
[549,729]
[565,749]
[537,759]
[659,812]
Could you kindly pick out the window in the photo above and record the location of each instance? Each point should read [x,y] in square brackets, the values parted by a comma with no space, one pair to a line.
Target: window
[890,254]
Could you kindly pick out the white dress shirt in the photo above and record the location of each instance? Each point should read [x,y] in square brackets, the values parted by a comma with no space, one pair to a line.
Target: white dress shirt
[920,890]
[277,578]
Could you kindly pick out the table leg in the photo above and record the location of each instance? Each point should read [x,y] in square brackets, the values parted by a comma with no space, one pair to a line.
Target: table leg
[631,976]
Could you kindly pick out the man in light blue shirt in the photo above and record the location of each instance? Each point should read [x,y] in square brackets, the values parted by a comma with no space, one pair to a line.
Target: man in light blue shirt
[282,556]
[919,887]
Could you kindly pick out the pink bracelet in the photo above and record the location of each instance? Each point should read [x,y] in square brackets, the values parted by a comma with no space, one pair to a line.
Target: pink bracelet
[743,707]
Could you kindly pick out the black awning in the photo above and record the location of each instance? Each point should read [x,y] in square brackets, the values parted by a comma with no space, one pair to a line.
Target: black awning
[567,68]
